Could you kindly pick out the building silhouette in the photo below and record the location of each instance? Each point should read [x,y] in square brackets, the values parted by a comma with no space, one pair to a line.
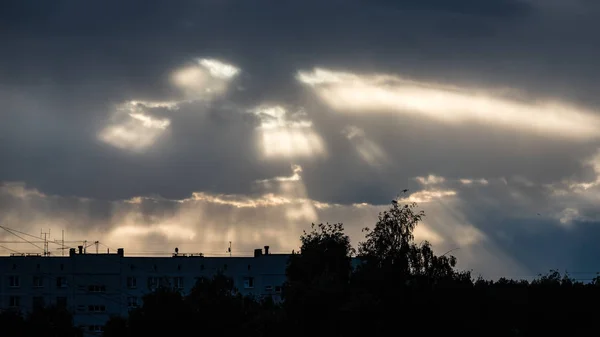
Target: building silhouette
[94,287]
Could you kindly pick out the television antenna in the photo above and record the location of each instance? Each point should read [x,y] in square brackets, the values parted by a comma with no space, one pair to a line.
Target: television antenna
[45,235]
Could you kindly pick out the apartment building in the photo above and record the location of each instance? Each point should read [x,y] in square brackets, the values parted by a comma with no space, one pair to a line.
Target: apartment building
[95,286]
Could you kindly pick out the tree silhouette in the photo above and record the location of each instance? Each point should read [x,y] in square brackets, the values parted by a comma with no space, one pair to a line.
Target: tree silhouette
[390,241]
[12,324]
[164,311]
[325,254]
[116,327]
[318,280]
[395,270]
[213,303]
[51,321]
[216,301]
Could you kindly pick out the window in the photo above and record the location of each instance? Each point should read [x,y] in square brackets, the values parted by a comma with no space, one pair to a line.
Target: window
[81,308]
[201,267]
[61,282]
[37,302]
[278,289]
[131,282]
[132,302]
[14,301]
[62,266]
[96,288]
[37,267]
[13,281]
[249,267]
[38,282]
[225,267]
[268,288]
[248,282]
[96,308]
[153,282]
[61,302]
[14,267]
[178,282]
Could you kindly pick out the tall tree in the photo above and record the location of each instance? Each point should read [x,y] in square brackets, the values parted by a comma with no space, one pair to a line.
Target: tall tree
[325,254]
[396,270]
[390,248]
[318,280]
[389,243]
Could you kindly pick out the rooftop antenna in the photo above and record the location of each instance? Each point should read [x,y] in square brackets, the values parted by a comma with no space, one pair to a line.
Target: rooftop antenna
[45,237]
[62,244]
[85,246]
[229,249]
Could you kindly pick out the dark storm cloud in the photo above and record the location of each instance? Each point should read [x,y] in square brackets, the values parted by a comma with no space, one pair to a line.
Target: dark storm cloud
[125,47]
[494,8]
[71,61]
[65,64]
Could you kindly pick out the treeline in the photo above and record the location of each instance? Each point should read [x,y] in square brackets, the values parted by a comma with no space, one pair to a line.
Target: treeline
[48,321]
[400,287]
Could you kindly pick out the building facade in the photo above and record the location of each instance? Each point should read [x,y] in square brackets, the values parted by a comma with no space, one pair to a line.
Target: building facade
[96,286]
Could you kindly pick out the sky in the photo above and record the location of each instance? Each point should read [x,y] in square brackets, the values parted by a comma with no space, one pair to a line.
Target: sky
[151,125]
